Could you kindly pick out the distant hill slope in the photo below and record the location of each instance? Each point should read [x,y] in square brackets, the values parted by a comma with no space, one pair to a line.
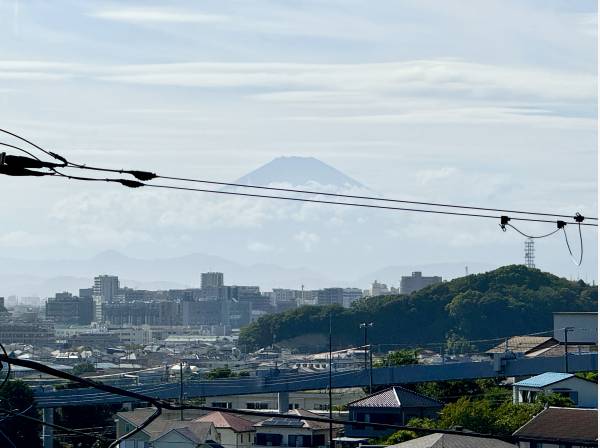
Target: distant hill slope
[298,171]
[510,300]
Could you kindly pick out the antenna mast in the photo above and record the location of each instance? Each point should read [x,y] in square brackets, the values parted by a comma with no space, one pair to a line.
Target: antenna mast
[529,253]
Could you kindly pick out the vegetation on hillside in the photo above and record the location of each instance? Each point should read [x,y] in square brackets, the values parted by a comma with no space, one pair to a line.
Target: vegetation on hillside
[16,396]
[510,300]
[485,408]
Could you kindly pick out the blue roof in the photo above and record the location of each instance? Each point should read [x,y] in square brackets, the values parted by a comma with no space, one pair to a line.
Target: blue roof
[545,379]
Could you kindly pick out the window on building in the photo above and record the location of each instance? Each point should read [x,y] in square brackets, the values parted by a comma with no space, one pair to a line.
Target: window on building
[294,406]
[222,404]
[299,441]
[257,405]
[318,440]
[269,439]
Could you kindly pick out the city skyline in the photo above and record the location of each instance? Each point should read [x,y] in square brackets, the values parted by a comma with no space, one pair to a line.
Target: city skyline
[416,111]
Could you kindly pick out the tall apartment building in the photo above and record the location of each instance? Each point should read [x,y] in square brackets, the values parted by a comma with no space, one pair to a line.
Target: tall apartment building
[64,308]
[379,289]
[211,280]
[330,296]
[106,289]
[417,281]
[351,295]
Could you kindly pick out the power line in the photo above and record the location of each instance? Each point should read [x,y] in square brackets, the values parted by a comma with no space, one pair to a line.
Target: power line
[146,176]
[352,204]
[54,425]
[577,263]
[535,236]
[322,193]
[162,404]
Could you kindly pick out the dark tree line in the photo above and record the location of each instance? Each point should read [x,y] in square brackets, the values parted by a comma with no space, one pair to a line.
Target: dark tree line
[511,300]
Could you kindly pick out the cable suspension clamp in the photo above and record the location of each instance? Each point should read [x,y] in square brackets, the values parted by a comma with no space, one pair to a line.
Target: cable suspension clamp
[578,217]
[503,221]
[560,224]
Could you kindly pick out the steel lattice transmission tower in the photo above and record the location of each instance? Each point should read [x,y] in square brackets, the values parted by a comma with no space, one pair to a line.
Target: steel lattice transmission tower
[529,253]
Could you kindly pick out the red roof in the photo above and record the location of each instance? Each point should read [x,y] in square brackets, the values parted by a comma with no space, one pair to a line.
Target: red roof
[227,420]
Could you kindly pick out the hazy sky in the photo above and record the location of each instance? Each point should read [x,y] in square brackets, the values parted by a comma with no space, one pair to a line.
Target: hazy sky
[490,103]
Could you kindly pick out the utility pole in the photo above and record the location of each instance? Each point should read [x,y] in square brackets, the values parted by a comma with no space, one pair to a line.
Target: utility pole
[330,378]
[567,329]
[181,388]
[370,370]
[366,326]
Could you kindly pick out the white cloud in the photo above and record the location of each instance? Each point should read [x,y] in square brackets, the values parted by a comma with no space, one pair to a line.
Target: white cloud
[308,240]
[449,78]
[20,238]
[155,15]
[427,176]
[257,246]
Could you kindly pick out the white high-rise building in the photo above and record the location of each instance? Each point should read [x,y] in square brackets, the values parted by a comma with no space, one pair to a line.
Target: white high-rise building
[106,288]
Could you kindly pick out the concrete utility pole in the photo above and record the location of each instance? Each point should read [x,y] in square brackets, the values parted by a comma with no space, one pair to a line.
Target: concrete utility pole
[48,431]
[330,379]
[181,388]
[567,330]
[370,370]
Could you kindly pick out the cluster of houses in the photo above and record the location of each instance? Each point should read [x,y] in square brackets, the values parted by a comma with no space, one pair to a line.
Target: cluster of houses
[554,427]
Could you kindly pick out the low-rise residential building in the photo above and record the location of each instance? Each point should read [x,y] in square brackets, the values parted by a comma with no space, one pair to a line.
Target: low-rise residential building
[395,405]
[26,332]
[234,431]
[438,440]
[524,345]
[558,428]
[309,400]
[191,436]
[583,393]
[281,431]
[159,433]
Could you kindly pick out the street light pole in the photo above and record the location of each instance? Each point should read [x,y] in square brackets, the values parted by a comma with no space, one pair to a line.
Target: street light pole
[366,326]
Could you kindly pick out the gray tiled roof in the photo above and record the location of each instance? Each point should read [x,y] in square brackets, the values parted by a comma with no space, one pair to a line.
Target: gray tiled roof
[523,344]
[452,441]
[395,397]
[564,424]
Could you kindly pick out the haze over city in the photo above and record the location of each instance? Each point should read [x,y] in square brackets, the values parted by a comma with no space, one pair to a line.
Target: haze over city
[419,118]
[309,224]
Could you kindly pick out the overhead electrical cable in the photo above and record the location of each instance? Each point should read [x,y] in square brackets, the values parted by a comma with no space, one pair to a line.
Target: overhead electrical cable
[150,175]
[146,176]
[54,425]
[351,204]
[575,261]
[534,236]
[162,404]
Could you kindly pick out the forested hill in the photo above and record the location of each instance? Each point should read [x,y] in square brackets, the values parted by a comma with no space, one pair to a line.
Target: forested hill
[510,300]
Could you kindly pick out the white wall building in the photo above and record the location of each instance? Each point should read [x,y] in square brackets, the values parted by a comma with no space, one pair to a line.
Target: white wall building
[234,431]
[583,393]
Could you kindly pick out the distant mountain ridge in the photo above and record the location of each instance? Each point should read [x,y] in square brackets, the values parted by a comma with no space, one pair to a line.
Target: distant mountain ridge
[46,277]
[298,171]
